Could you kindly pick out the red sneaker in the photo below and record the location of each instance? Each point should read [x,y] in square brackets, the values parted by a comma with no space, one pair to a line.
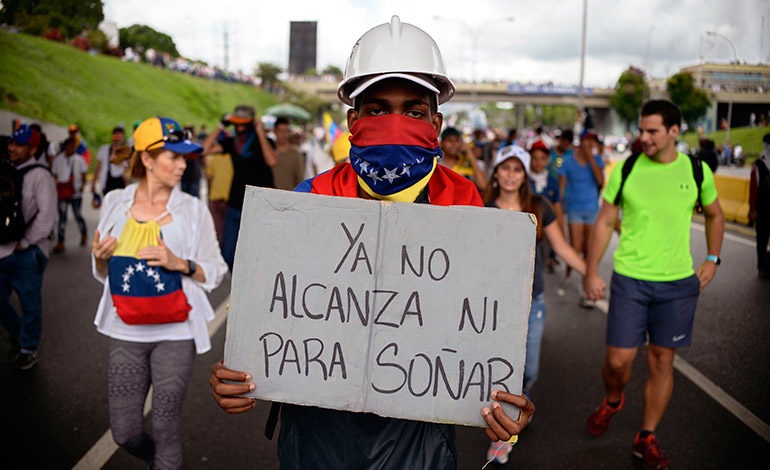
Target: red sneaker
[649,451]
[599,420]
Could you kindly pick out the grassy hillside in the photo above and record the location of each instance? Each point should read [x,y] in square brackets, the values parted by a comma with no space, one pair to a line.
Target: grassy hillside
[60,84]
[750,138]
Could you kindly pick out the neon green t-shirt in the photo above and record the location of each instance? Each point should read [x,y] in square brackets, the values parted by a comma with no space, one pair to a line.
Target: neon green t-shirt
[657,207]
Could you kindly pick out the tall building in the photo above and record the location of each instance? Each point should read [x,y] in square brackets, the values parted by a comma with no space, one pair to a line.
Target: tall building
[738,78]
[738,90]
[302,47]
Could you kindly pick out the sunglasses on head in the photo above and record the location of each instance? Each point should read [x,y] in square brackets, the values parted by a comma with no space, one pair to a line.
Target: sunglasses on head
[173,137]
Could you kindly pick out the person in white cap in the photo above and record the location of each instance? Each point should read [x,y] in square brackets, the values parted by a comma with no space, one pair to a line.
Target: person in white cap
[394,80]
[510,189]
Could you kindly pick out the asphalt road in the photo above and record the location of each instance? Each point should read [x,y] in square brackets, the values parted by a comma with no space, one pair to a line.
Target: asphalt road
[55,416]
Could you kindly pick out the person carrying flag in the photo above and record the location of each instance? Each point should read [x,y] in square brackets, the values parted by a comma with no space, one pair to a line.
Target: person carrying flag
[156,252]
[394,81]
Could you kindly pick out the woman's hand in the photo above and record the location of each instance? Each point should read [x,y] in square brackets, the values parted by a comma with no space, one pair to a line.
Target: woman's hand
[501,426]
[160,255]
[227,394]
[594,287]
[103,249]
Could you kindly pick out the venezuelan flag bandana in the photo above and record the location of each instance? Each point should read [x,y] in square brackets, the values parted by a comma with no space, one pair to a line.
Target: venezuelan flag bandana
[144,294]
[394,156]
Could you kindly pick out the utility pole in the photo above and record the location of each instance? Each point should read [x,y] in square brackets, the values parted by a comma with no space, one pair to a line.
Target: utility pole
[581,89]
[474,34]
[227,52]
[762,43]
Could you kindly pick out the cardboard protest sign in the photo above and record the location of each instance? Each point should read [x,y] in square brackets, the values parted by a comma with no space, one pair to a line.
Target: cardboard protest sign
[404,310]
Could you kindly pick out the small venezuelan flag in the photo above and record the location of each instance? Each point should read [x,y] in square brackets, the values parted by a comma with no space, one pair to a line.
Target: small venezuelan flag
[144,294]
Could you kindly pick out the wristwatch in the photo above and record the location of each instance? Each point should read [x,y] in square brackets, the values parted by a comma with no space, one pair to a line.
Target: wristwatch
[191,267]
[714,259]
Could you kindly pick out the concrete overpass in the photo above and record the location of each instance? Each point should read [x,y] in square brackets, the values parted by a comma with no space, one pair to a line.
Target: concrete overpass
[537,95]
[595,99]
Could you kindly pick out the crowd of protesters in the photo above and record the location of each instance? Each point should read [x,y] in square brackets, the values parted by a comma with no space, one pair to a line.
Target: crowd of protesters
[166,172]
[150,56]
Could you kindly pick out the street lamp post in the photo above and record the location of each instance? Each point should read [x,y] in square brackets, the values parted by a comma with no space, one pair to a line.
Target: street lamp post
[732,83]
[474,34]
[647,54]
[581,89]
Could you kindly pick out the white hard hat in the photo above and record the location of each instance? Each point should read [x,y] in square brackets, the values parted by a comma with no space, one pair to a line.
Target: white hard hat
[399,50]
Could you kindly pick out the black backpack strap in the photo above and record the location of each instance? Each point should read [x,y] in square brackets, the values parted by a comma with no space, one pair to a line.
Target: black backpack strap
[628,164]
[24,170]
[697,173]
[272,419]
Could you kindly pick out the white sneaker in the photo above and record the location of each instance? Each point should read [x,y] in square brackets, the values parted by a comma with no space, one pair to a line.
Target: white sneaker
[560,291]
[585,302]
[498,452]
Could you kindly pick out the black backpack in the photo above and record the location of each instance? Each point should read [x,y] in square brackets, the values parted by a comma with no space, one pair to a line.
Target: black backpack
[12,223]
[697,173]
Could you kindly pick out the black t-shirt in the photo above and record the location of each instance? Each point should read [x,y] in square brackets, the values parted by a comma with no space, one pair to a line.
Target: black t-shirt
[249,167]
[547,217]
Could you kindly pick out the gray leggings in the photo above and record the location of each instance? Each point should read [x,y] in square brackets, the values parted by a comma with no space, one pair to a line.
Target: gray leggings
[166,365]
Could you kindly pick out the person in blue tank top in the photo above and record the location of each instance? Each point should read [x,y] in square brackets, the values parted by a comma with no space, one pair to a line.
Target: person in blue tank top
[580,181]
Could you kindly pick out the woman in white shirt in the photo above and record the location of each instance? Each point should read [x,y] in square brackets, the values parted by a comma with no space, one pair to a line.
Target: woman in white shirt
[156,252]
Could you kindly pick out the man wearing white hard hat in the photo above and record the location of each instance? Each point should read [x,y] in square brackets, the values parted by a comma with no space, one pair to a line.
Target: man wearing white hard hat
[394,81]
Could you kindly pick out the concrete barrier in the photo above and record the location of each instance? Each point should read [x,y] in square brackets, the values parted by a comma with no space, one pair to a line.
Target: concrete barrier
[733,193]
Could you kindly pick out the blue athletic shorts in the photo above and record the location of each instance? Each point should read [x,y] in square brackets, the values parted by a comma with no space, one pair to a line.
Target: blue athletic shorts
[663,310]
[582,217]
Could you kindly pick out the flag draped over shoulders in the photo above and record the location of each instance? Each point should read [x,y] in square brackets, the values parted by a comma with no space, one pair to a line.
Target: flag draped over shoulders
[445,188]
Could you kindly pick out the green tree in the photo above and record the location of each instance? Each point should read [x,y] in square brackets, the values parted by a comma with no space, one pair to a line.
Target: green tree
[333,70]
[139,35]
[693,102]
[630,92]
[268,74]
[37,16]
[98,40]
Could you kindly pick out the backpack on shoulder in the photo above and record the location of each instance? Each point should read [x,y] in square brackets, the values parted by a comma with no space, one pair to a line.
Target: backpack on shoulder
[12,223]
[697,173]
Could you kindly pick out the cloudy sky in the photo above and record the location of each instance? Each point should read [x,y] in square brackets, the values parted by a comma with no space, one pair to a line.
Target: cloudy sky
[540,44]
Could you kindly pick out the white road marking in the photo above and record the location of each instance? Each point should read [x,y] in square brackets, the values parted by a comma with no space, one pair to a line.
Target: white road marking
[729,236]
[714,391]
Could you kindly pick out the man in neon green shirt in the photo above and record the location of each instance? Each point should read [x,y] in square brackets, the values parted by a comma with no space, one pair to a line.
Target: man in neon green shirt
[654,288]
